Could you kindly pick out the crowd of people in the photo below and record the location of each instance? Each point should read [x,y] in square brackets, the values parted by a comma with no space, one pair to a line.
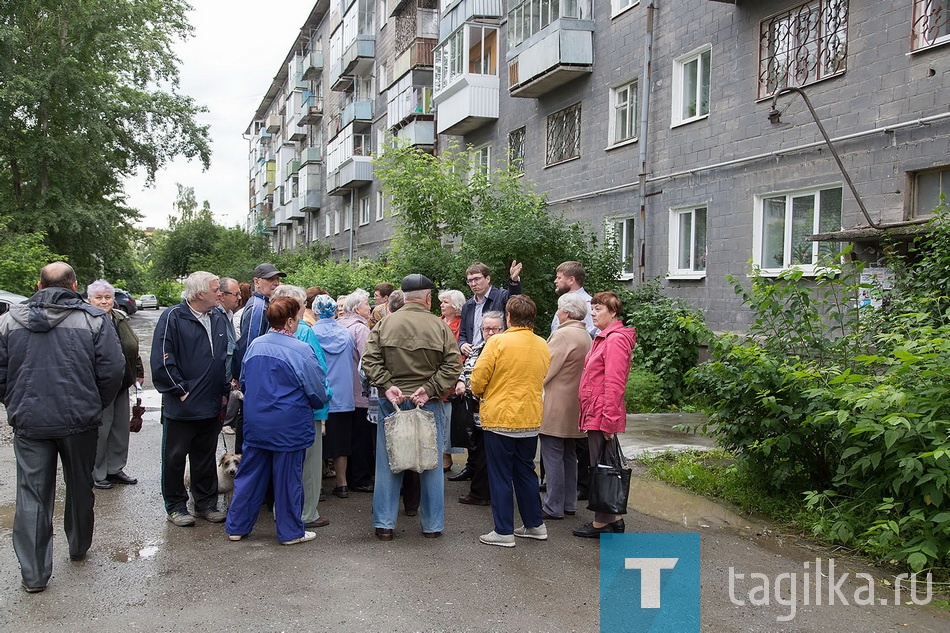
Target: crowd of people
[304,382]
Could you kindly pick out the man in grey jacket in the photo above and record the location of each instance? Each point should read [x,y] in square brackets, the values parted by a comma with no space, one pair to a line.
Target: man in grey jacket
[60,366]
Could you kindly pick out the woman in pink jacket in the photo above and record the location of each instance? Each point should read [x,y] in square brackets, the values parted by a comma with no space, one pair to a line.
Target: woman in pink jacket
[603,382]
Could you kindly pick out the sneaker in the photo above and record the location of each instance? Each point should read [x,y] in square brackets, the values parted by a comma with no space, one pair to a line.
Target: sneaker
[33,589]
[236,537]
[539,533]
[228,430]
[181,518]
[214,515]
[494,538]
[307,536]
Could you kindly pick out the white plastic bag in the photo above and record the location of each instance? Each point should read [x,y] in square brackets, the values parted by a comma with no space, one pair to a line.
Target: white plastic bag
[411,440]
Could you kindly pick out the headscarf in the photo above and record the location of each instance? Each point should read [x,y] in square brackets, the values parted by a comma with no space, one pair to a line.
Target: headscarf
[325,306]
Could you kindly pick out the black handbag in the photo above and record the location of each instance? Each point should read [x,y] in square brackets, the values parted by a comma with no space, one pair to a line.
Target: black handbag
[464,408]
[609,481]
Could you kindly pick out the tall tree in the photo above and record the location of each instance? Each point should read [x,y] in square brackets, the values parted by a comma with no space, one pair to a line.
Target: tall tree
[88,96]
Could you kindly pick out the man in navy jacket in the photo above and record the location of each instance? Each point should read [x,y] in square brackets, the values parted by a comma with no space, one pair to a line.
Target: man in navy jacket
[486,298]
[189,351]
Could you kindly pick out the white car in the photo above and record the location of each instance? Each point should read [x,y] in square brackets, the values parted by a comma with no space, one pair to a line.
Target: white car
[9,298]
[148,301]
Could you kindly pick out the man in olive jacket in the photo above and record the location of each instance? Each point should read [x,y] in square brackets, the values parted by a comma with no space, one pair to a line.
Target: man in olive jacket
[412,357]
[60,366]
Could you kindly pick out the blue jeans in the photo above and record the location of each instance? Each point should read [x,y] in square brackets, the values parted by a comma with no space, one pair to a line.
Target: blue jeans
[388,485]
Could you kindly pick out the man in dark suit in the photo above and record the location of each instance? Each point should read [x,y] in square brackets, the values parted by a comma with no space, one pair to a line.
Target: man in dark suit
[486,298]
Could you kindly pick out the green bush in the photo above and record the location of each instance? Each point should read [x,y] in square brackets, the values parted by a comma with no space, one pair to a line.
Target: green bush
[168,292]
[644,392]
[669,333]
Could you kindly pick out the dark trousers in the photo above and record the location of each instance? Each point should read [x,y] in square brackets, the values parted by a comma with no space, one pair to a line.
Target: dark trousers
[362,462]
[479,465]
[36,494]
[582,449]
[197,440]
[511,464]
[411,490]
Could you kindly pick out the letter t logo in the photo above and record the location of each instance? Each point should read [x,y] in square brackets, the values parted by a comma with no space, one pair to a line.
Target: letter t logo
[650,578]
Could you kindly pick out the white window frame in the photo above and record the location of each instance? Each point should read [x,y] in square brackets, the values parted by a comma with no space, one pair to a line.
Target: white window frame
[481,160]
[626,241]
[327,228]
[621,6]
[679,85]
[347,214]
[364,211]
[633,92]
[930,17]
[380,206]
[759,228]
[942,175]
[336,221]
[677,219]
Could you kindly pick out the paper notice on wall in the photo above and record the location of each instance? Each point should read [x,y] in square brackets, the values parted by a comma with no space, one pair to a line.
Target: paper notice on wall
[875,284]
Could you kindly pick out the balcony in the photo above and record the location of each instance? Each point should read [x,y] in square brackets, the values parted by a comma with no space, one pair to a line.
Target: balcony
[311,200]
[356,111]
[418,133]
[280,216]
[293,166]
[311,111]
[466,11]
[313,154]
[418,54]
[273,124]
[353,173]
[297,134]
[294,212]
[270,172]
[313,65]
[558,54]
[470,102]
[359,57]
[410,98]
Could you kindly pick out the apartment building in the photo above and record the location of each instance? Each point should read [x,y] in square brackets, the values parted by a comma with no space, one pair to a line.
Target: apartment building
[649,120]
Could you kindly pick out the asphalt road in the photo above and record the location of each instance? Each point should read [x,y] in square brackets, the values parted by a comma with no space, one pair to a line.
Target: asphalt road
[144,574]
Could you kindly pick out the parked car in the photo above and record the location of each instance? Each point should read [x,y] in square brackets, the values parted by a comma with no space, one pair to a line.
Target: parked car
[125,302]
[9,298]
[148,301]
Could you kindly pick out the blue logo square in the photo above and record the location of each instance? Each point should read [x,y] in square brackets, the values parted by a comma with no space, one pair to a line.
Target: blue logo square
[649,582]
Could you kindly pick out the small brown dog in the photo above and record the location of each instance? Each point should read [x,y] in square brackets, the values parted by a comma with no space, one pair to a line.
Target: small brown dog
[227,471]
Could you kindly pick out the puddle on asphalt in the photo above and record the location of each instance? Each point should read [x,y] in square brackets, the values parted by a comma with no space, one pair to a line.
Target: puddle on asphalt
[6,517]
[130,554]
[663,501]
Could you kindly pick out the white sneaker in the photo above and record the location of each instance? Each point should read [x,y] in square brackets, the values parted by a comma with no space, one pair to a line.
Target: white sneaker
[307,536]
[539,533]
[236,537]
[494,538]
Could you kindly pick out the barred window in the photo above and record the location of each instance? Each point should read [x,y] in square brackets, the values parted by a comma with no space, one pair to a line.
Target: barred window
[803,45]
[564,135]
[516,149]
[931,23]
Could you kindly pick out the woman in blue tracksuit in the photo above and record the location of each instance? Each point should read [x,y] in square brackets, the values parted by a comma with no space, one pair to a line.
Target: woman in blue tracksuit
[283,384]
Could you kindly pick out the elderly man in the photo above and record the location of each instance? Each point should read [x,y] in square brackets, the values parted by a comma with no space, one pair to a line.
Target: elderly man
[485,298]
[411,356]
[189,349]
[60,366]
[253,320]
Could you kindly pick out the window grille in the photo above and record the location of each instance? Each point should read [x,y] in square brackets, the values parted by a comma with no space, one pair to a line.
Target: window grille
[931,23]
[564,135]
[516,149]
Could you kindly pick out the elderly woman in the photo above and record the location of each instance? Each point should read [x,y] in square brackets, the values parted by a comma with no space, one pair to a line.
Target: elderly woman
[362,462]
[509,377]
[112,451]
[312,477]
[603,382]
[568,345]
[477,467]
[451,302]
[283,384]
[340,350]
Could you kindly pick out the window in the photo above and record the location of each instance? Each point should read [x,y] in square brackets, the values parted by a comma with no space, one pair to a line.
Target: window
[472,49]
[691,86]
[336,221]
[803,45]
[364,211]
[931,23]
[622,231]
[928,187]
[326,225]
[783,221]
[380,206]
[516,149]
[688,242]
[623,107]
[348,214]
[619,6]
[564,135]
[531,16]
[481,160]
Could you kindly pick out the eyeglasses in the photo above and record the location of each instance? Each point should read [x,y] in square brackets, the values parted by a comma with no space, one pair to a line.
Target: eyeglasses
[491,329]
[473,280]
[233,294]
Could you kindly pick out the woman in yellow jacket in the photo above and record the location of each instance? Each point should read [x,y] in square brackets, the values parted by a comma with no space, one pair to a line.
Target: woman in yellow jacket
[509,378]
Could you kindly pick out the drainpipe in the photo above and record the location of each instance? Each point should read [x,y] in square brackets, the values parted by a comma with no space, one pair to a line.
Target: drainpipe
[352,223]
[645,83]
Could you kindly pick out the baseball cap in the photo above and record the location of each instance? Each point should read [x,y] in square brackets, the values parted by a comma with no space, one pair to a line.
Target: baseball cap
[266,271]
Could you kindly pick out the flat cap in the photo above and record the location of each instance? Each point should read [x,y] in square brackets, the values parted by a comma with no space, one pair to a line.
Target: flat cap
[416,282]
[266,271]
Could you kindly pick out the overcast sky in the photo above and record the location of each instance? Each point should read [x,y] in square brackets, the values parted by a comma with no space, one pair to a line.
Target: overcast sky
[237,49]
